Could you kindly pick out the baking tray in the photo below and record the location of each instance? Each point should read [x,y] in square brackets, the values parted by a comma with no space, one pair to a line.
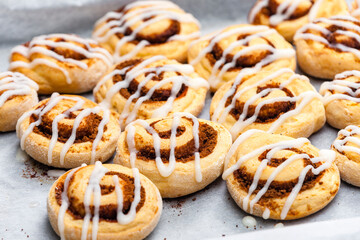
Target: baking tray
[210,213]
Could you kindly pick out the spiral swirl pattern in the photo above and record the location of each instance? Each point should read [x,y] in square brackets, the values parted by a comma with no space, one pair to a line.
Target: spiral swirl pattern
[153,87]
[61,62]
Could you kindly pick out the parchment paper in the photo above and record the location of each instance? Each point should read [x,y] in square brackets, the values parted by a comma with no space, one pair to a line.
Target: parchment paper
[210,213]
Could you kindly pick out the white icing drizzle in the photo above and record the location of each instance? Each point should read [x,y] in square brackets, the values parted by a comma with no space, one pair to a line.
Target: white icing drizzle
[141,68]
[13,84]
[164,170]
[249,222]
[325,156]
[93,195]
[283,11]
[348,134]
[55,173]
[53,101]
[302,100]
[39,45]
[342,22]
[130,216]
[64,203]
[115,22]
[255,32]
[266,213]
[343,88]
[279,225]
[93,190]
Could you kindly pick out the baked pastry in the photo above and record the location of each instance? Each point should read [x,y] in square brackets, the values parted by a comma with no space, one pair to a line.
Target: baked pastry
[17,95]
[278,102]
[178,162]
[61,63]
[347,150]
[150,88]
[66,131]
[288,16]
[104,202]
[341,99]
[329,46]
[238,51]
[355,10]
[145,29]
[279,177]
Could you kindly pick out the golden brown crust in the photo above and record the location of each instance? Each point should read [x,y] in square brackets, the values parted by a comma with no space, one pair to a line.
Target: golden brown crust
[341,100]
[148,211]
[257,48]
[328,46]
[37,142]
[57,65]
[164,27]
[315,193]
[214,142]
[17,95]
[301,15]
[145,90]
[280,101]
[347,154]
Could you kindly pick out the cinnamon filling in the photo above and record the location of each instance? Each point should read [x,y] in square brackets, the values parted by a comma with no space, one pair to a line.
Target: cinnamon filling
[174,28]
[86,132]
[184,153]
[269,112]
[346,93]
[244,61]
[272,7]
[67,53]
[158,94]
[277,189]
[106,212]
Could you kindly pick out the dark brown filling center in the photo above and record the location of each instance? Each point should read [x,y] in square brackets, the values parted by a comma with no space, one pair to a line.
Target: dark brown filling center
[86,132]
[184,153]
[278,189]
[106,212]
[174,28]
[269,112]
[157,95]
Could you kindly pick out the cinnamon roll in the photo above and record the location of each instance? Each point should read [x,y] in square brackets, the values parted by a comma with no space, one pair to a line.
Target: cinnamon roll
[66,131]
[103,202]
[17,95]
[355,10]
[341,99]
[279,177]
[347,148]
[240,49]
[150,88]
[145,29]
[61,63]
[329,46]
[180,154]
[287,16]
[277,102]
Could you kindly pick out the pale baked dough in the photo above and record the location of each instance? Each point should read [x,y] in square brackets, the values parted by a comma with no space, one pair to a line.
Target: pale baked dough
[214,139]
[348,154]
[325,55]
[341,99]
[37,142]
[315,192]
[249,49]
[61,63]
[295,15]
[280,102]
[162,28]
[145,221]
[142,93]
[17,95]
